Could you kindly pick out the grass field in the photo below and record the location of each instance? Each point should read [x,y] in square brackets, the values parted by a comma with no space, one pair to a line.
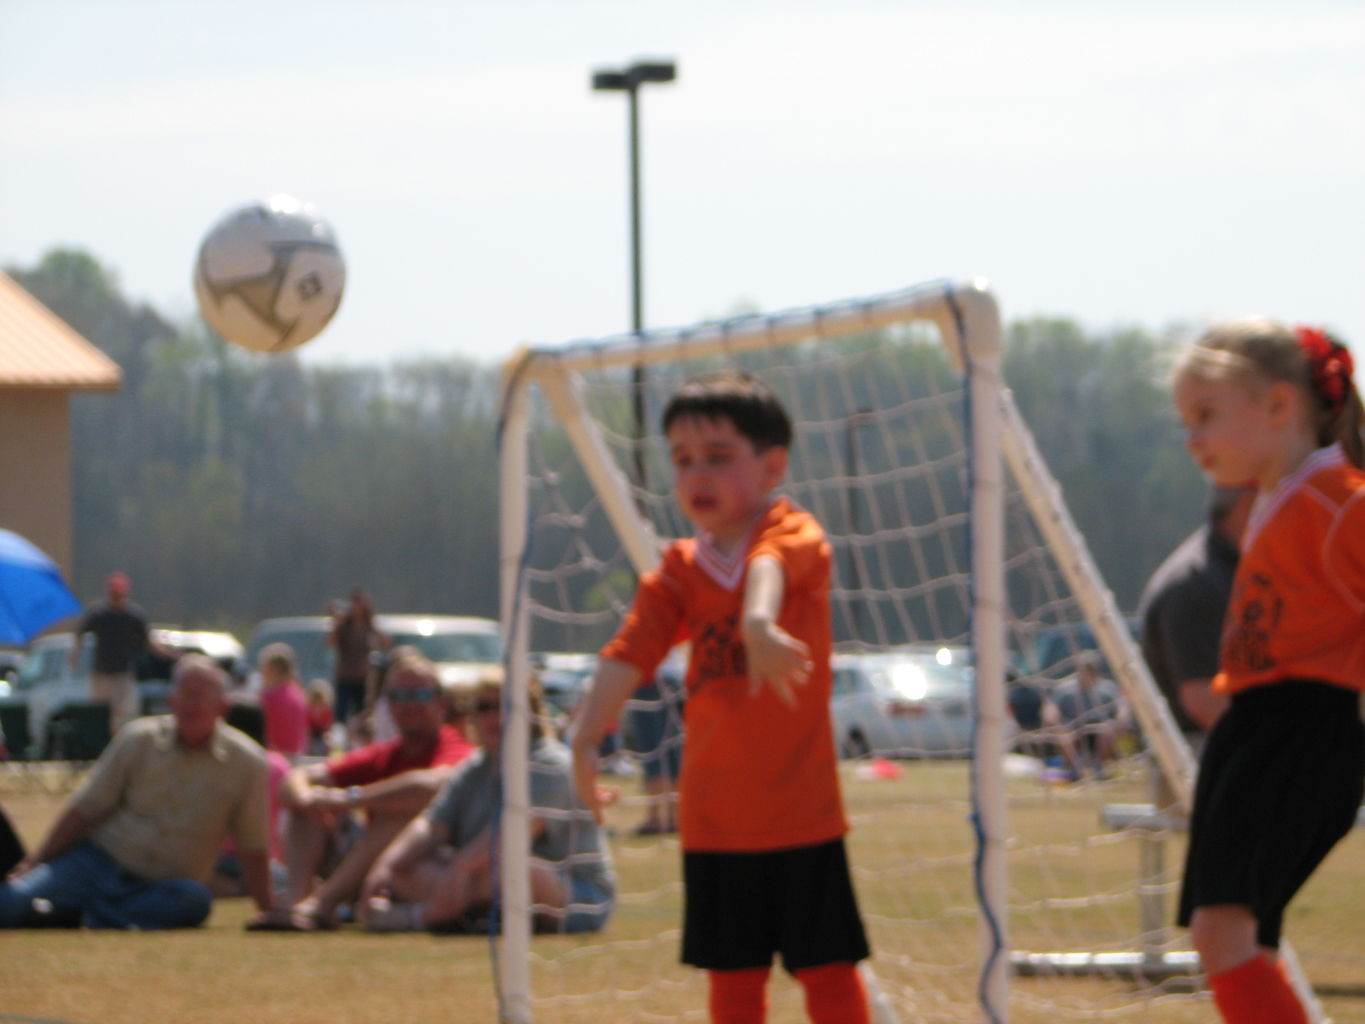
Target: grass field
[1071,889]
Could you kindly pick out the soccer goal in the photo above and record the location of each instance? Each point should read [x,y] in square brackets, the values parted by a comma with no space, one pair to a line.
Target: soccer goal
[1000,876]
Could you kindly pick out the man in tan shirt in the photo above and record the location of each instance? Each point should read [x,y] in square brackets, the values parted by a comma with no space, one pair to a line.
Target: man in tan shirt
[136,844]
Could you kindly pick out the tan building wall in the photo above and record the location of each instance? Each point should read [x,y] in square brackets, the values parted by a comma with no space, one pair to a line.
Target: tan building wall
[35,469]
[42,361]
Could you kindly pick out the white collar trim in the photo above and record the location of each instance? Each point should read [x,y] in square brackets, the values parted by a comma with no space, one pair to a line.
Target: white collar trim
[1270,502]
[727,569]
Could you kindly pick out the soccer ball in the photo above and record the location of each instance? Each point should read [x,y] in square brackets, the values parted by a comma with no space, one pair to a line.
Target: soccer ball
[269,275]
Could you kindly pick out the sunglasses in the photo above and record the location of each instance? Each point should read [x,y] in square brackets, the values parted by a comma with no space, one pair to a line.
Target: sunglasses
[487,707]
[416,694]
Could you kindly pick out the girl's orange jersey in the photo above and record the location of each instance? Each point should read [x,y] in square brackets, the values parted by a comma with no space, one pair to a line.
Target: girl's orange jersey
[757,774]
[1298,603]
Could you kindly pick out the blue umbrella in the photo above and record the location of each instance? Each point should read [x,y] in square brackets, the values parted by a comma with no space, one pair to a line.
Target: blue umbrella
[33,594]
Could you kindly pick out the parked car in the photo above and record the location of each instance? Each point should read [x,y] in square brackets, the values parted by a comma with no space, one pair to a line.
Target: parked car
[52,689]
[461,646]
[306,636]
[911,702]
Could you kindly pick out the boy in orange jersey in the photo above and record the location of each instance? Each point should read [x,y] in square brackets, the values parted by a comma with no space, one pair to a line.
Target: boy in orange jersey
[760,814]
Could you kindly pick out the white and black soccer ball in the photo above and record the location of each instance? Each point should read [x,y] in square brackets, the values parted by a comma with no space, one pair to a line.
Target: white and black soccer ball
[269,275]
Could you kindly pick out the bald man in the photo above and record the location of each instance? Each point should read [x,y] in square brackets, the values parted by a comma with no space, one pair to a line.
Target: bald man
[136,844]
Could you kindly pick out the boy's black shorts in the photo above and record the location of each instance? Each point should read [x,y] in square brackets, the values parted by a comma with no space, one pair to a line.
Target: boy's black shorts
[741,908]
[1280,783]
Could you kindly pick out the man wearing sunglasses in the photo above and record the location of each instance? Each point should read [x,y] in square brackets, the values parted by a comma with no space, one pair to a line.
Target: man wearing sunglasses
[384,784]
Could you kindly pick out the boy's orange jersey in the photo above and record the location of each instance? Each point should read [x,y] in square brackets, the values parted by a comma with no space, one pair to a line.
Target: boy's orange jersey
[757,774]
[1298,603]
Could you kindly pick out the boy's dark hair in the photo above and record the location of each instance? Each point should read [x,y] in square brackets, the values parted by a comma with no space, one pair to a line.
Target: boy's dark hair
[742,399]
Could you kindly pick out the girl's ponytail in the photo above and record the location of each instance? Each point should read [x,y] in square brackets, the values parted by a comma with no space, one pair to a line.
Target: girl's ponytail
[1340,417]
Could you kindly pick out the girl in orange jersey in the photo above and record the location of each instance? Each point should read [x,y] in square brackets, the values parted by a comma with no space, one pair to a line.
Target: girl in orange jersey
[1282,774]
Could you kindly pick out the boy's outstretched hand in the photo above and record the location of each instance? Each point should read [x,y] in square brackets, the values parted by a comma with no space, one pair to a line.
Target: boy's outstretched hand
[775,656]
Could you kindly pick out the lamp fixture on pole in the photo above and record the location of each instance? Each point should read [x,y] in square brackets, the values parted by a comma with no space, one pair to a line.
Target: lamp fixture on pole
[629,80]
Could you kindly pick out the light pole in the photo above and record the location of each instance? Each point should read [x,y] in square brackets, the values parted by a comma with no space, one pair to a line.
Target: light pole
[629,80]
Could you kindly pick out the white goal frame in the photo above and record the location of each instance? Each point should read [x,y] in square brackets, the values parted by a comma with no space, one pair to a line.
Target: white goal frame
[967,318]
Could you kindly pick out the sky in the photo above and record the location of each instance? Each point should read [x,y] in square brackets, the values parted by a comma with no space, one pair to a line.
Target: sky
[1150,163]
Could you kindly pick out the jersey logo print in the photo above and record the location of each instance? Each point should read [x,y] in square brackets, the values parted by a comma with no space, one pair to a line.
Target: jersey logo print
[717,651]
[1248,642]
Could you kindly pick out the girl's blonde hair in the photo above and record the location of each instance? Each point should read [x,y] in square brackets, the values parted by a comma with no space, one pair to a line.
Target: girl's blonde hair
[279,657]
[1259,350]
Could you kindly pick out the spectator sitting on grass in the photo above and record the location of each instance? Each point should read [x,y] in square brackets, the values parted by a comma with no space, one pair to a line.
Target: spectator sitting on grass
[136,844]
[1086,713]
[390,781]
[439,873]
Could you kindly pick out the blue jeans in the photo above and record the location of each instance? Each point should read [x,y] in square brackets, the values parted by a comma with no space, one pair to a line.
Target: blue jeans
[591,907]
[87,879]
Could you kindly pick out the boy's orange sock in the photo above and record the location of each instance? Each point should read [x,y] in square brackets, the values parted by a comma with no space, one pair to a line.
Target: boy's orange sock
[834,994]
[739,997]
[1256,992]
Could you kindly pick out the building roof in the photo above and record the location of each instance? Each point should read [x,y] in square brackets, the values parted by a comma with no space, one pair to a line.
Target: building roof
[38,349]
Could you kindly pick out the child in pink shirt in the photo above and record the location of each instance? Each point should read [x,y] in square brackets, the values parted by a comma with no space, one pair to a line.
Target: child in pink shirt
[283,701]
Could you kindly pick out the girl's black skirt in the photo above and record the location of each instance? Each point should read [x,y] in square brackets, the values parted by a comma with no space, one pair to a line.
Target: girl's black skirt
[1280,782]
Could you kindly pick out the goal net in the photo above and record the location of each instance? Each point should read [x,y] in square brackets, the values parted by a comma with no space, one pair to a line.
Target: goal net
[1011,864]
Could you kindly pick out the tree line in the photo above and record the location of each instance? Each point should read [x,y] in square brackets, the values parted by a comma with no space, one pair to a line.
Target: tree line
[234,487]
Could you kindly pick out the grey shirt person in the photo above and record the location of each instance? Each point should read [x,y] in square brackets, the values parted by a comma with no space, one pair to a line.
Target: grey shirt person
[1080,705]
[469,800]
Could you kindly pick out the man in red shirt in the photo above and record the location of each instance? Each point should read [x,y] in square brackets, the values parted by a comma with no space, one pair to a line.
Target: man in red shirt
[391,782]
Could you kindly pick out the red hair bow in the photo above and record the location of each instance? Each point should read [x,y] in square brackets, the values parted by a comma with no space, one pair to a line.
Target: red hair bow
[1330,363]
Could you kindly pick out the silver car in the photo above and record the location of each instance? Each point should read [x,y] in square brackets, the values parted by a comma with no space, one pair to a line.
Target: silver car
[910,702]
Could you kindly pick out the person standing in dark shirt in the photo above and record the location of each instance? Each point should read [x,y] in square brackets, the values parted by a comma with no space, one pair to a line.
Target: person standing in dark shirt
[121,634]
[355,637]
[1182,610]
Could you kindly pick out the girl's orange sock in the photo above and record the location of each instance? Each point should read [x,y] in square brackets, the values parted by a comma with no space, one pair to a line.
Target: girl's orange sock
[1256,992]
[834,994]
[739,997]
